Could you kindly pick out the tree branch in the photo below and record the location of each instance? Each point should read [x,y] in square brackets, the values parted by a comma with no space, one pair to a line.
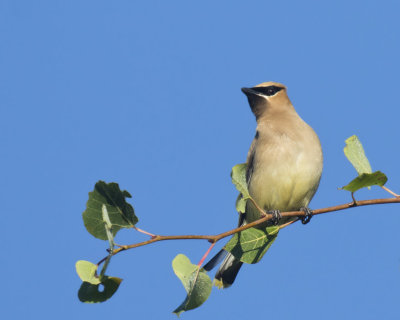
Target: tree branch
[265,217]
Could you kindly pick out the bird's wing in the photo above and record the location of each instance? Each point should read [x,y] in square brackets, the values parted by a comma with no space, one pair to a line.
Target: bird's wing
[250,160]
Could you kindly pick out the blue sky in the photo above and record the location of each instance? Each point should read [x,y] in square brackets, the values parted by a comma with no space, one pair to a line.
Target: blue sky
[147,94]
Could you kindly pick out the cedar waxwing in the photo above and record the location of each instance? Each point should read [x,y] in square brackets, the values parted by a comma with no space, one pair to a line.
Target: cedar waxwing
[284,165]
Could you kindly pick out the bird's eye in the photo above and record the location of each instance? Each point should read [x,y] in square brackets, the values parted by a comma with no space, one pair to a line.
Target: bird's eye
[271,91]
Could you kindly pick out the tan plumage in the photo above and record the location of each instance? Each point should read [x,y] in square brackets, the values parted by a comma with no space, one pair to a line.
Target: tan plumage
[285,157]
[284,163]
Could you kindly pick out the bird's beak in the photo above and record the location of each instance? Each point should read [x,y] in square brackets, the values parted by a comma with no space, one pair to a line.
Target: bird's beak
[250,91]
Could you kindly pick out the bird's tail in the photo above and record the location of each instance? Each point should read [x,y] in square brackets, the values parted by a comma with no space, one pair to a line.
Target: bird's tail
[228,270]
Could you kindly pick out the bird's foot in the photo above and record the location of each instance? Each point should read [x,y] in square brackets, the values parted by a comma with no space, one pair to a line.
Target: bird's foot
[276,216]
[308,215]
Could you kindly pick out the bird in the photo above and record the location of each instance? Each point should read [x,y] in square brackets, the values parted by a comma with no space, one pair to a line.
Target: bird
[284,166]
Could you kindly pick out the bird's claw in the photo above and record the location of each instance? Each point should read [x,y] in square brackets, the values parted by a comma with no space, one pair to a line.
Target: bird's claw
[308,215]
[276,216]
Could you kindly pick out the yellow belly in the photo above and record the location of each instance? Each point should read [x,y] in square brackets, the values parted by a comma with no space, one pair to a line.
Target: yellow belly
[283,180]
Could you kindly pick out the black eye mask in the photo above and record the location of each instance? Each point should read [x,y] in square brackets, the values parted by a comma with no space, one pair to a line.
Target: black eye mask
[267,91]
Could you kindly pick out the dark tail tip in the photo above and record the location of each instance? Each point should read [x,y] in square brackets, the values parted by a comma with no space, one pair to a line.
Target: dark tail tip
[228,271]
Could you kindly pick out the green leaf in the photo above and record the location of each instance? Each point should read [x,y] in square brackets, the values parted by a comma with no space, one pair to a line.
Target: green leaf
[87,271]
[196,282]
[241,204]
[365,180]
[250,245]
[120,213]
[93,293]
[90,290]
[354,151]
[238,176]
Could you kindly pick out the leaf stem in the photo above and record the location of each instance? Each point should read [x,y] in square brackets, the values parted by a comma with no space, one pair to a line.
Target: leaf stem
[144,232]
[288,224]
[262,212]
[107,261]
[206,254]
[354,199]
[390,191]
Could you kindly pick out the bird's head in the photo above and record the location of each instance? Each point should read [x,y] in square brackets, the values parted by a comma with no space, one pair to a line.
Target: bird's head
[271,96]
